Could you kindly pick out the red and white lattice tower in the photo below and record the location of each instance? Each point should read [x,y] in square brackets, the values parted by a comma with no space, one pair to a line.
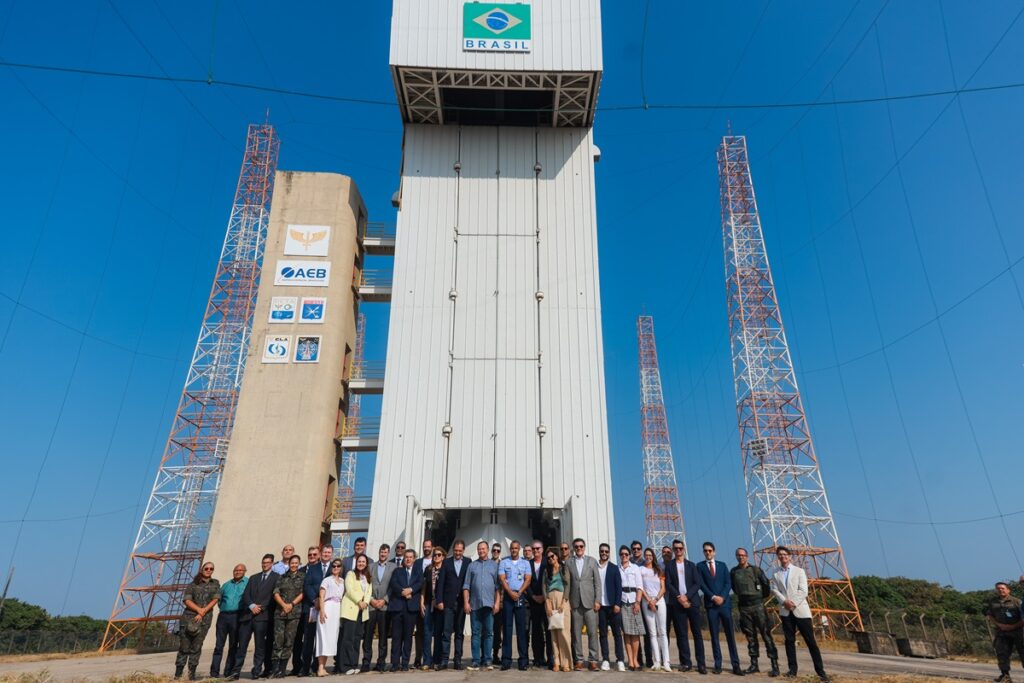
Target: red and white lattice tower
[342,542]
[663,513]
[786,497]
[172,537]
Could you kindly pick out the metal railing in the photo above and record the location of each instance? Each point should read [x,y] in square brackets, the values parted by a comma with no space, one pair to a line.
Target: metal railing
[378,230]
[359,428]
[967,635]
[373,278]
[367,369]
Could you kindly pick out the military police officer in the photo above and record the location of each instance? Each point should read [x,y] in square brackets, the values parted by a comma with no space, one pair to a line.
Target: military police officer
[1004,611]
[200,597]
[288,595]
[751,588]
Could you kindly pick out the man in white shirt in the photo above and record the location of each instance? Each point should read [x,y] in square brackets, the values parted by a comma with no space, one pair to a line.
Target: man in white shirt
[789,585]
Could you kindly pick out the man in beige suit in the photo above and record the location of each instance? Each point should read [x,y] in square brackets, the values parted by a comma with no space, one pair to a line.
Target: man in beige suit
[789,585]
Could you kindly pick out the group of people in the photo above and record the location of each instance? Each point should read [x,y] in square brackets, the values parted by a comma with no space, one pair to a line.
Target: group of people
[331,608]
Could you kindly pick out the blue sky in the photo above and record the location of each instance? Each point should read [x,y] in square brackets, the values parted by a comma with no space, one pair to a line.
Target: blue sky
[116,193]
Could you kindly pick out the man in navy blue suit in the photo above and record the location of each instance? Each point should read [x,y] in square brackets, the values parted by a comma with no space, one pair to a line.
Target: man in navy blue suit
[315,573]
[716,586]
[682,584]
[404,605]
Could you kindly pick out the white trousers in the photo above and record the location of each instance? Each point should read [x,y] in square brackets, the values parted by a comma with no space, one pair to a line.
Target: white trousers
[657,629]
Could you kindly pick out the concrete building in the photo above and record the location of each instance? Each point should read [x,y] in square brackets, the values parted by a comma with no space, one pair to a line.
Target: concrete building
[280,474]
[493,420]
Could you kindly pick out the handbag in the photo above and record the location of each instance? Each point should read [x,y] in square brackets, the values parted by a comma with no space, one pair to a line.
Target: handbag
[556,622]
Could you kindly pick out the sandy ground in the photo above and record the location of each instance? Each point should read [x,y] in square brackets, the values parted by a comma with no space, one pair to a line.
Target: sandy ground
[841,665]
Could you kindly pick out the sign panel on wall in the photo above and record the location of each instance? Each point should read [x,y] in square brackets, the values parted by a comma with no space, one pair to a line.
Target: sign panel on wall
[276,348]
[312,309]
[496,27]
[302,273]
[307,349]
[282,309]
[307,240]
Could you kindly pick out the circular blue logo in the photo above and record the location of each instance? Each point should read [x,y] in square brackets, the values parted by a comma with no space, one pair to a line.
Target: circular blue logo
[497,21]
[288,271]
[277,349]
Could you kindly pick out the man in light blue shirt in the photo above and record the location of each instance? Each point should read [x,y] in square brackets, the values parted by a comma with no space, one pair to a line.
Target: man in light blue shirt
[481,601]
[227,621]
[515,576]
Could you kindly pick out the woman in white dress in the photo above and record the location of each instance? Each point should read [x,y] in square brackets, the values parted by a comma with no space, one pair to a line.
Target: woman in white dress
[332,590]
[654,608]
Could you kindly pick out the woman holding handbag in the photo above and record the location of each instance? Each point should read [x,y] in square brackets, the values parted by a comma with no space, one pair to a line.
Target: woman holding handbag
[355,610]
[557,581]
[328,609]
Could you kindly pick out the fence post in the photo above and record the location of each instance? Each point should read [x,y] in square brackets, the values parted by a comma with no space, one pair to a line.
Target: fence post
[903,619]
[924,630]
[888,628]
[945,634]
[871,620]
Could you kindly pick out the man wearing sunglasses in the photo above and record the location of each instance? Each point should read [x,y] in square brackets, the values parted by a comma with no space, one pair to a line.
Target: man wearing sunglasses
[682,585]
[717,585]
[637,560]
[610,615]
[585,601]
[540,636]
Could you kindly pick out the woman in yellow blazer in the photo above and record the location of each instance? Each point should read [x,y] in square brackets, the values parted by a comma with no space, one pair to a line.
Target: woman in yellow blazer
[355,607]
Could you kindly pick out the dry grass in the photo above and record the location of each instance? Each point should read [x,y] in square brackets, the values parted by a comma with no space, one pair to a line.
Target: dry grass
[45,676]
[50,656]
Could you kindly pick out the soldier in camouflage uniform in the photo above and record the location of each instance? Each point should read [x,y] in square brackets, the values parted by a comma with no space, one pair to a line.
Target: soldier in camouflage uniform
[751,588]
[287,595]
[200,597]
[1004,611]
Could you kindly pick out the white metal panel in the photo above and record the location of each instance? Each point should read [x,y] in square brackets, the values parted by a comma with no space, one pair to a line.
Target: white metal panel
[566,37]
[476,316]
[516,443]
[471,453]
[516,301]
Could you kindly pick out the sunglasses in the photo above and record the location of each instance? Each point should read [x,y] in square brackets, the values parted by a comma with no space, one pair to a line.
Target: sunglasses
[438,554]
[207,569]
[708,550]
[678,549]
[578,546]
[623,554]
[604,552]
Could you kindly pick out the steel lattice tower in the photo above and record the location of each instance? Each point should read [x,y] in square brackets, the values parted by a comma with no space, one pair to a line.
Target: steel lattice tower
[786,497]
[347,472]
[172,536]
[663,512]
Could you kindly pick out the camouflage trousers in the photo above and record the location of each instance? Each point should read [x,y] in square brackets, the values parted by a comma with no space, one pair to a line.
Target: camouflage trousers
[285,627]
[190,641]
[754,622]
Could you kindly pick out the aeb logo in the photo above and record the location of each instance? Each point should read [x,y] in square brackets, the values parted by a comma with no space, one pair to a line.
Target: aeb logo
[302,273]
[495,27]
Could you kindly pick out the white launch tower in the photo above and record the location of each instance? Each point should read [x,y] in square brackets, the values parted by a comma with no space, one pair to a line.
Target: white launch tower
[493,422]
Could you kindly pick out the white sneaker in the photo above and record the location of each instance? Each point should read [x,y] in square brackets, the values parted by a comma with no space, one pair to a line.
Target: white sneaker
[605,666]
[666,667]
[352,672]
[621,666]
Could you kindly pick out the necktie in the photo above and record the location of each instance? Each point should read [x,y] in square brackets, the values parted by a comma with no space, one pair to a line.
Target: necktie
[712,565]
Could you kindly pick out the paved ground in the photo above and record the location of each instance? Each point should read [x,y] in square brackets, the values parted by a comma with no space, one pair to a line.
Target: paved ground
[841,664]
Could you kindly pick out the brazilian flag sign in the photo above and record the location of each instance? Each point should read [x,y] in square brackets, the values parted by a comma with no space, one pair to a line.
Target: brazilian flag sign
[496,27]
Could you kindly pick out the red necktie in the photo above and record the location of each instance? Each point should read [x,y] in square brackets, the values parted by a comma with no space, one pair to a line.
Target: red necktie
[712,566]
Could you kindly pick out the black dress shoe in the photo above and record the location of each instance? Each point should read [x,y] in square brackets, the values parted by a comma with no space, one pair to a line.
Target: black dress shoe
[506,667]
[686,667]
[364,668]
[790,674]
[717,670]
[737,671]
[394,668]
[458,666]
[701,669]
[405,667]
[523,667]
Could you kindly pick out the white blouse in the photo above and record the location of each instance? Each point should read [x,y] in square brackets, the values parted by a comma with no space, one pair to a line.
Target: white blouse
[652,582]
[334,590]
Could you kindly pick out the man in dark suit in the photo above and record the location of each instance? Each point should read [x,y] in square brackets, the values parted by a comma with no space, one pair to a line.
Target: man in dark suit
[403,605]
[540,636]
[254,620]
[610,615]
[449,591]
[315,573]
[716,585]
[682,585]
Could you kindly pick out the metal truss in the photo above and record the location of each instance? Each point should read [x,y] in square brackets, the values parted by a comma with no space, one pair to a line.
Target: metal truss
[342,542]
[172,536]
[786,496]
[575,93]
[663,511]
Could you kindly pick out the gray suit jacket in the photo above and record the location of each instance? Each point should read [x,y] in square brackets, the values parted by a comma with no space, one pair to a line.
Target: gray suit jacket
[379,589]
[585,589]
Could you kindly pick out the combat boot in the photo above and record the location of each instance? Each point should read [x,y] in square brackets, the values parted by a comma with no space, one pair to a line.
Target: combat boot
[752,669]
[178,670]
[277,668]
[192,673]
[775,668]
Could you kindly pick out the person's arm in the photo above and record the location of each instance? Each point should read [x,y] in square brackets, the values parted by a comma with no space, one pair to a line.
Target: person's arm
[321,594]
[661,594]
[503,580]
[285,606]
[528,578]
[442,579]
[801,589]
[596,581]
[671,584]
[778,589]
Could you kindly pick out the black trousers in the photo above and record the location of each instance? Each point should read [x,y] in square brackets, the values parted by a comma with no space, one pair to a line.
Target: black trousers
[339,665]
[261,632]
[499,629]
[454,625]
[540,636]
[688,619]
[790,625]
[376,621]
[402,625]
[514,618]
[308,644]
[1005,642]
[300,632]
[418,639]
[354,633]
[608,618]
[227,631]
